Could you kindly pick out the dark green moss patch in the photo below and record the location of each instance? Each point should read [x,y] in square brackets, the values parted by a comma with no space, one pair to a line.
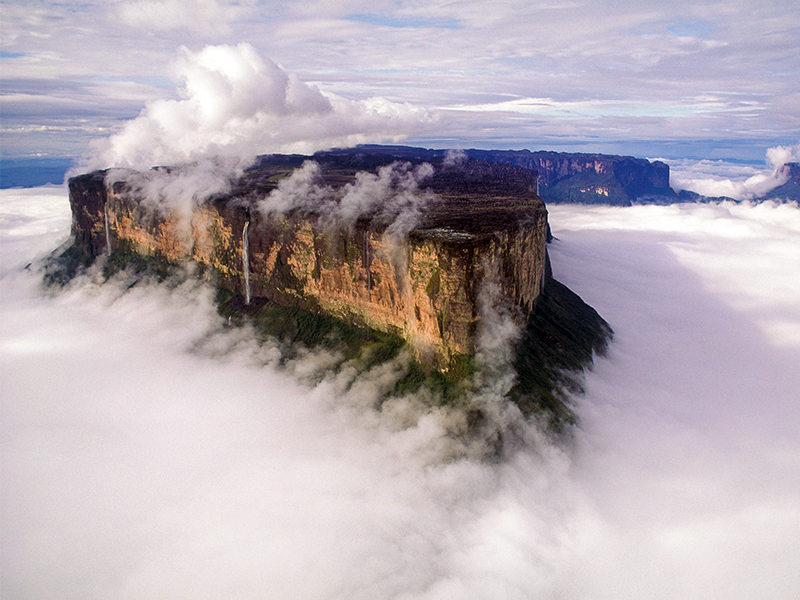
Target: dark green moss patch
[432,289]
[62,267]
[446,388]
[120,260]
[297,327]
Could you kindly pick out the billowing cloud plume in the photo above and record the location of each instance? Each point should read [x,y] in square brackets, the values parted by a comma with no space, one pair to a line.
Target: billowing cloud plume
[780,155]
[741,182]
[234,103]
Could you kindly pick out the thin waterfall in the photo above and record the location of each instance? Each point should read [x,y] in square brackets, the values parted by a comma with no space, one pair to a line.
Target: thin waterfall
[246,261]
[108,233]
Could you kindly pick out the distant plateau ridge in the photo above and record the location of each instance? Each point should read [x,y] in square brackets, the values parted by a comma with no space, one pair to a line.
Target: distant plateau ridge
[586,178]
[564,177]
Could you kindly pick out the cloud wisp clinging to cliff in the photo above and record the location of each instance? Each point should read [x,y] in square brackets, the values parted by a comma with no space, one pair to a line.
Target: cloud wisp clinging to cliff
[149,450]
[393,197]
[179,189]
[740,182]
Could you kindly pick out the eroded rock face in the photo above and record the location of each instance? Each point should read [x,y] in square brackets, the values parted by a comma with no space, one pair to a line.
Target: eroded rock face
[454,232]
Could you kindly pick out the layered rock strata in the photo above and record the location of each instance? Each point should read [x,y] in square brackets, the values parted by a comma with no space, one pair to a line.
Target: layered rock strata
[466,235]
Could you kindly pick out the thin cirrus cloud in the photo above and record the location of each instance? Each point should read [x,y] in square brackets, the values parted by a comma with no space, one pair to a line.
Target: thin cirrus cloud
[573,109]
[207,16]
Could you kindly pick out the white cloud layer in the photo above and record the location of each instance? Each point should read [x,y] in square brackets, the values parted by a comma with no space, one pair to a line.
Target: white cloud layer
[147,451]
[236,104]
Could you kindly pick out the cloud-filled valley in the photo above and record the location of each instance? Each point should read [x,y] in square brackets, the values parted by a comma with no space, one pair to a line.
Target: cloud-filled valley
[149,449]
[166,454]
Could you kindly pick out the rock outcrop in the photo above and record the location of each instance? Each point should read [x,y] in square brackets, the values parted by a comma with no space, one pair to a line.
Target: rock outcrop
[412,249]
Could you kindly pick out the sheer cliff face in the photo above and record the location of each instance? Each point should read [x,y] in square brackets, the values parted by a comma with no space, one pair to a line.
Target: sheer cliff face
[479,228]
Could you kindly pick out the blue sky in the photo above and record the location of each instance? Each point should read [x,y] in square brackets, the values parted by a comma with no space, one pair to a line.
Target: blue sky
[709,80]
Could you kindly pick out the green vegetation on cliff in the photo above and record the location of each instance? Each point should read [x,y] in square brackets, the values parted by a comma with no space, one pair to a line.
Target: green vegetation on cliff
[297,329]
[562,334]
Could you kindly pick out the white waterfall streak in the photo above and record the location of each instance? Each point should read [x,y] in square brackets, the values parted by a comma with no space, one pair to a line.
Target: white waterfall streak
[246,261]
[108,233]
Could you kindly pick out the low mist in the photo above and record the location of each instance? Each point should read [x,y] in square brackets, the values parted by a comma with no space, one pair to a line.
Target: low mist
[151,451]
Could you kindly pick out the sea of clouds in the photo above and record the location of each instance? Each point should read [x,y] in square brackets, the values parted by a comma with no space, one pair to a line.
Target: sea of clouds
[150,451]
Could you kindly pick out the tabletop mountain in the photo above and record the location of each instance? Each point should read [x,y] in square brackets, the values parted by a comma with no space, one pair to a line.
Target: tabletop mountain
[417,248]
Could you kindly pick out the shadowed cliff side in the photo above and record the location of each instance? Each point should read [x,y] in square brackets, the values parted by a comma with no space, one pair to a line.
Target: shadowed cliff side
[561,337]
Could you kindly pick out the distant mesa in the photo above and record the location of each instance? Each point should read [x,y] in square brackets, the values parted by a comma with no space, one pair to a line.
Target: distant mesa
[564,177]
[582,178]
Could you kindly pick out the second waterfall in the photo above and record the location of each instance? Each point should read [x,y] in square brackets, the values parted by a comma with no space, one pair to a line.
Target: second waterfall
[246,261]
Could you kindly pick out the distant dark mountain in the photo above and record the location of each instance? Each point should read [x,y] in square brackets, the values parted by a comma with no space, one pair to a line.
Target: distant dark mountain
[577,178]
[789,191]
[564,177]
[32,172]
